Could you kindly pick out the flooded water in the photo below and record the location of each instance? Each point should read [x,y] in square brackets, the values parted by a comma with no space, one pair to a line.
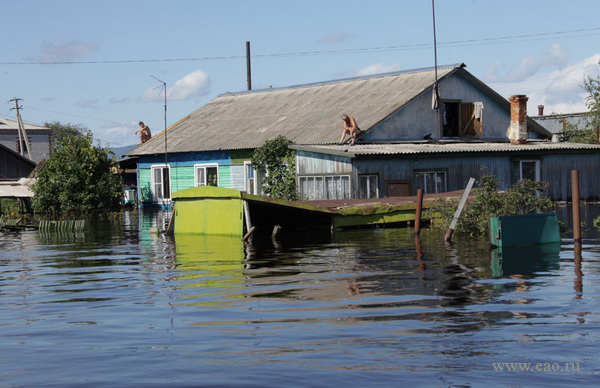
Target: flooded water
[118,305]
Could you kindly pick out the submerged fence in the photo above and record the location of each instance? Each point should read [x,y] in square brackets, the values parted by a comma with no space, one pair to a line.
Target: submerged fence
[62,226]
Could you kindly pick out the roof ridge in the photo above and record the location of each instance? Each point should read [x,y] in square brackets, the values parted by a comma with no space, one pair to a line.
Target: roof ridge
[343,80]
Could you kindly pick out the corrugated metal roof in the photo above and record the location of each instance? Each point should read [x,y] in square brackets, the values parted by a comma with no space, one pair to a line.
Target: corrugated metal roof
[305,114]
[431,148]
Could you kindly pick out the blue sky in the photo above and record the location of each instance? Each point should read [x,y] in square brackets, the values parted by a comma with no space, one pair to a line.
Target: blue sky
[105,53]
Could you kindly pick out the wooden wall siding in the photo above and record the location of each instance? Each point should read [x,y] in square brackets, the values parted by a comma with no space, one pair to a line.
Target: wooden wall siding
[557,169]
[236,177]
[13,167]
[308,163]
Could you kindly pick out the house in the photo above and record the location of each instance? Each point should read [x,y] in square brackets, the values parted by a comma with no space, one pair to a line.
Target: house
[402,147]
[13,165]
[39,139]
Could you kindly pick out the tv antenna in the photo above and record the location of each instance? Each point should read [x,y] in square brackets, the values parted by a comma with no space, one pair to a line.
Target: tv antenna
[163,88]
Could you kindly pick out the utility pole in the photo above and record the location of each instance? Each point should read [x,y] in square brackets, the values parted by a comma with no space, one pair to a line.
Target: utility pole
[21,130]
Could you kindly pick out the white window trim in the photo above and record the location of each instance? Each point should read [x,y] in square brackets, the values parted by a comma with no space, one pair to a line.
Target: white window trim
[161,166]
[537,168]
[255,184]
[204,165]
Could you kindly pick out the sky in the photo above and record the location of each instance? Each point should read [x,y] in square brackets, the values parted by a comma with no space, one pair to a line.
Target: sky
[103,64]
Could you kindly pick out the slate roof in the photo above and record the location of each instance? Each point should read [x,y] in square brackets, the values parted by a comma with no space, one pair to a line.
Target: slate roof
[11,126]
[305,114]
[432,148]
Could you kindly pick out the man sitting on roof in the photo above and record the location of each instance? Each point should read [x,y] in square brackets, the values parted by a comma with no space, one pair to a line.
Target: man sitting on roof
[144,132]
[350,128]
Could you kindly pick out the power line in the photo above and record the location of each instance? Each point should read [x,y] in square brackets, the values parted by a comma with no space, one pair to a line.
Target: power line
[419,46]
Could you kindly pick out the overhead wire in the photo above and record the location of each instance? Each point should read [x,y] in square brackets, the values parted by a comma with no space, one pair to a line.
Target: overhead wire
[418,46]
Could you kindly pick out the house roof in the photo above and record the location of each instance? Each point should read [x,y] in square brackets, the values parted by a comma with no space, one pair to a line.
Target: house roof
[305,114]
[555,123]
[17,155]
[11,126]
[442,148]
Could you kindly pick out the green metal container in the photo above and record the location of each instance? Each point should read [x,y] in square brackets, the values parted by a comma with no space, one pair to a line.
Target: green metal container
[522,230]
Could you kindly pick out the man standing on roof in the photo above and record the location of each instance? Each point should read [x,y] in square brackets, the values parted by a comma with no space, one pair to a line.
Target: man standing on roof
[350,128]
[144,132]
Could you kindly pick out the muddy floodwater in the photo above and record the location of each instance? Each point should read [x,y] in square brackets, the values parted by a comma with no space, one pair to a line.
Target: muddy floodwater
[118,305]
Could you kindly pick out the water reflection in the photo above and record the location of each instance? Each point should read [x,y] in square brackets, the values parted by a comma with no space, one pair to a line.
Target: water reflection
[368,306]
[209,265]
[525,261]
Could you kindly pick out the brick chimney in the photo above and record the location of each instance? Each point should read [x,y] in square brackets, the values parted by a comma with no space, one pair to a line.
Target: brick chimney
[540,110]
[517,132]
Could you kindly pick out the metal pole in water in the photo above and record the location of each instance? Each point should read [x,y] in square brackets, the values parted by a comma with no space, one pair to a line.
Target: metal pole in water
[575,205]
[419,211]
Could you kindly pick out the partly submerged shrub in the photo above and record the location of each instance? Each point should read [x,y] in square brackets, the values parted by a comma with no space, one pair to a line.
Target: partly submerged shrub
[522,198]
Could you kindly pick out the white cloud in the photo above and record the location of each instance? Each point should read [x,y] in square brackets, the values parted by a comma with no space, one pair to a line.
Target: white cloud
[192,85]
[60,51]
[91,103]
[560,90]
[529,66]
[336,38]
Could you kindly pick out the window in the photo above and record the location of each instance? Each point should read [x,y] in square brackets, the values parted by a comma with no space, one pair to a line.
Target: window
[525,169]
[450,119]
[431,181]
[206,174]
[250,178]
[368,186]
[161,182]
[461,119]
[325,187]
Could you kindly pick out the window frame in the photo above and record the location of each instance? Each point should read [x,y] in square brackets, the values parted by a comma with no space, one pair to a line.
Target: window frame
[368,186]
[156,198]
[323,179]
[538,172]
[204,166]
[425,191]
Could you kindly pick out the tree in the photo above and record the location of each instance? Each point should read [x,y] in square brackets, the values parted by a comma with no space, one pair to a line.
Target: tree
[78,177]
[62,132]
[278,161]
[592,87]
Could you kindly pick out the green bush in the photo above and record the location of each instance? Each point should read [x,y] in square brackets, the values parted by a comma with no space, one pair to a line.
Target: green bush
[522,198]
[77,178]
[278,161]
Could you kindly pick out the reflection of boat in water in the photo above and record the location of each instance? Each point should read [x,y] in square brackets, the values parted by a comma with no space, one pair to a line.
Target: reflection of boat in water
[209,262]
[526,260]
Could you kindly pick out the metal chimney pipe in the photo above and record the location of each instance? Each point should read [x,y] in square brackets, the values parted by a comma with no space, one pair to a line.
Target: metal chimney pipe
[248,70]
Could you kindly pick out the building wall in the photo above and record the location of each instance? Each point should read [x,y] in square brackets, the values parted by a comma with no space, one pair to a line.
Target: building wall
[182,169]
[39,143]
[553,168]
[417,119]
[308,163]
